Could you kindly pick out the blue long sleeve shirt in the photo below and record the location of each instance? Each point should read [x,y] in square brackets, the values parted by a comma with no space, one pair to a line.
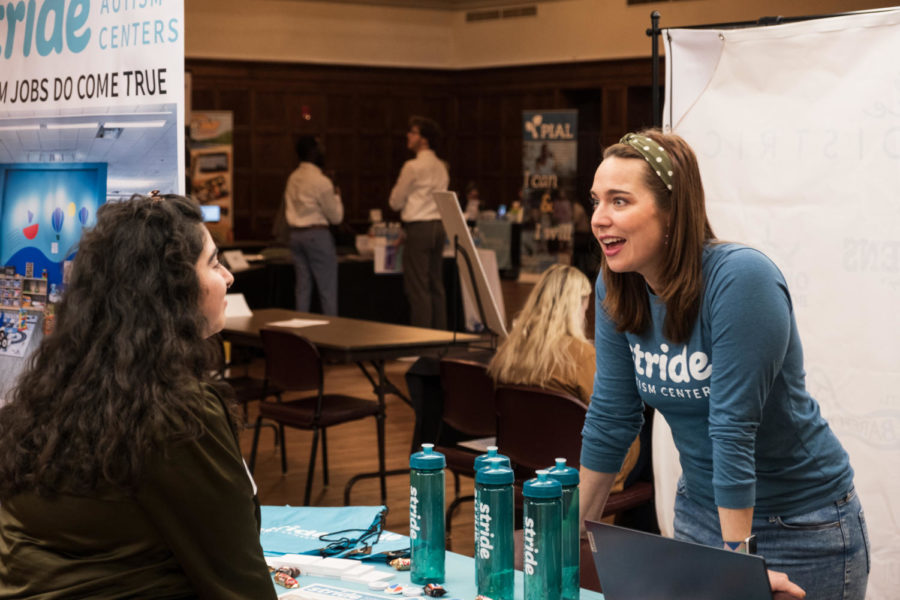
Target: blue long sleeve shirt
[734,395]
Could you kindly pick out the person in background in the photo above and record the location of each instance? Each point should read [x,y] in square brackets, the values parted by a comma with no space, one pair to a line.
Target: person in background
[547,346]
[473,201]
[562,207]
[312,202]
[121,475]
[545,163]
[423,279]
[705,332]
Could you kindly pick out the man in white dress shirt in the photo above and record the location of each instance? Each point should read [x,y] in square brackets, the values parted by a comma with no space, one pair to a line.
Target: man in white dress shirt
[311,203]
[422,255]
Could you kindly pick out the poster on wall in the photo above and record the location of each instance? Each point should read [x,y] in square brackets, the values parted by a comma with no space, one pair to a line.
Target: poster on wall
[549,169]
[91,110]
[211,170]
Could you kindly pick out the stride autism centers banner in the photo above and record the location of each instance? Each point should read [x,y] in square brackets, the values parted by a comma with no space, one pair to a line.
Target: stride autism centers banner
[91,110]
[79,51]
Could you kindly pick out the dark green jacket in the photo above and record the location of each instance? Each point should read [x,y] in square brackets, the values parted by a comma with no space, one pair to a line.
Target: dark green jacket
[191,530]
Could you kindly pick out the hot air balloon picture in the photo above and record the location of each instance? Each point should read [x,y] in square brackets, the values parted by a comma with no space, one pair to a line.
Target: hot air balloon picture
[56,221]
[31,230]
[83,215]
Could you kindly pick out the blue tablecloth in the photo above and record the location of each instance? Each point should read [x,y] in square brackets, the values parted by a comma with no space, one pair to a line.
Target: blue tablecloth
[460,570]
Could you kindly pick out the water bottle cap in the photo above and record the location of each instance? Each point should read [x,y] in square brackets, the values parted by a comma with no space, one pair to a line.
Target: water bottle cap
[427,459]
[567,476]
[481,459]
[496,471]
[542,486]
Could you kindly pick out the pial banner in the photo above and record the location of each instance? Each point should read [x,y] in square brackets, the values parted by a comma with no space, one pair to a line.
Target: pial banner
[797,130]
[549,168]
[91,110]
[549,157]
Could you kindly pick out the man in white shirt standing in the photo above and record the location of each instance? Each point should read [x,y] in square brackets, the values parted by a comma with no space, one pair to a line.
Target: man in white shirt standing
[311,203]
[422,255]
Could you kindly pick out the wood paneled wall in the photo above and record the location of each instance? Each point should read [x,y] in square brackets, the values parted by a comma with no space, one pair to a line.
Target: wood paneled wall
[362,113]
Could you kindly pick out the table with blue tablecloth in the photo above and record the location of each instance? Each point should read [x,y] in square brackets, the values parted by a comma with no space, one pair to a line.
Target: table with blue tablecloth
[288,530]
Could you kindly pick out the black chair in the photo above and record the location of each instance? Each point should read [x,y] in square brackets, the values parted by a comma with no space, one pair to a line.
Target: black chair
[468,412]
[234,370]
[293,364]
[536,425]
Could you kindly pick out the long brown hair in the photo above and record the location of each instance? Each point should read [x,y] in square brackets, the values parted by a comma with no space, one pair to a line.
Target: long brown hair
[121,374]
[684,208]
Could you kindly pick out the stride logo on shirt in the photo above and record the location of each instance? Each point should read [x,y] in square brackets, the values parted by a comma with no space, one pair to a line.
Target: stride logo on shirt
[680,368]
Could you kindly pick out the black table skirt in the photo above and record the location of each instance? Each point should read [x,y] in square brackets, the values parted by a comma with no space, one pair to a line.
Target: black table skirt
[362,294]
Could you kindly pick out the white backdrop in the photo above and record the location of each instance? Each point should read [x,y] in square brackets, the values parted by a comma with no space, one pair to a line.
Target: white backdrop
[797,130]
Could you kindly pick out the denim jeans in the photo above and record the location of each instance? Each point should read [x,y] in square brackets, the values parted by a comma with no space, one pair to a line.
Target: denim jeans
[315,259]
[825,551]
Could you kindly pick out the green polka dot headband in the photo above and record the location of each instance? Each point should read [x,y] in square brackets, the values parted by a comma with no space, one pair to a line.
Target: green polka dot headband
[653,153]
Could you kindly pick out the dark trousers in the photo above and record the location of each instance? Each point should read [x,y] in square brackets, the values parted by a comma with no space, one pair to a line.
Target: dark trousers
[423,279]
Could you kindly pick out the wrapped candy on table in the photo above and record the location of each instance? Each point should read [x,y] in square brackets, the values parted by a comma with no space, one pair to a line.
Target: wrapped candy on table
[285,580]
[292,571]
[401,564]
[434,590]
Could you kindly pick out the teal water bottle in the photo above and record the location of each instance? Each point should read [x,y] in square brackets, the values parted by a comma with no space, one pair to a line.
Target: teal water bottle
[482,459]
[494,544]
[542,525]
[571,542]
[426,515]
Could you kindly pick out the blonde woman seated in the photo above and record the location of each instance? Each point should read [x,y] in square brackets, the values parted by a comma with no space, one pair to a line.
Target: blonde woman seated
[547,346]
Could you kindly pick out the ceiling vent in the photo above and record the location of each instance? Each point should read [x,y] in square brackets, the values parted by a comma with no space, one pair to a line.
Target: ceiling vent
[506,13]
[520,11]
[482,15]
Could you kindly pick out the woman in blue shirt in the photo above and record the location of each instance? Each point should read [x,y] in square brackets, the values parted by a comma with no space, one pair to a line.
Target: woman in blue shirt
[705,332]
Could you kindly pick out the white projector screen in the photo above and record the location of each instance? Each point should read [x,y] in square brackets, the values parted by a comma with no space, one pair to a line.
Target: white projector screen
[797,130]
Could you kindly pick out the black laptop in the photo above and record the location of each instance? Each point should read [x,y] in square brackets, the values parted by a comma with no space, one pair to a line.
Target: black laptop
[634,565]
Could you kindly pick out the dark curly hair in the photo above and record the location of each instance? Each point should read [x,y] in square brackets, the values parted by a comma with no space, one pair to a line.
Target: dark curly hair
[122,372]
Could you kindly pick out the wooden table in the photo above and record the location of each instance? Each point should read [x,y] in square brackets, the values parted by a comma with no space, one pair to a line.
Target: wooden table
[343,340]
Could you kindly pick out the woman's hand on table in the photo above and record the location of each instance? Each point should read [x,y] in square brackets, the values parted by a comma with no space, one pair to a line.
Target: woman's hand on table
[783,588]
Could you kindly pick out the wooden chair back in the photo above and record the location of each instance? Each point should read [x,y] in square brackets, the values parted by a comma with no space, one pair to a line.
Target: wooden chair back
[292,361]
[468,398]
[535,426]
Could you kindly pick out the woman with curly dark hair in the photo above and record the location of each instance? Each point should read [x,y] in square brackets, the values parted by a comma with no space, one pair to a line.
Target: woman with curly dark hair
[120,469]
